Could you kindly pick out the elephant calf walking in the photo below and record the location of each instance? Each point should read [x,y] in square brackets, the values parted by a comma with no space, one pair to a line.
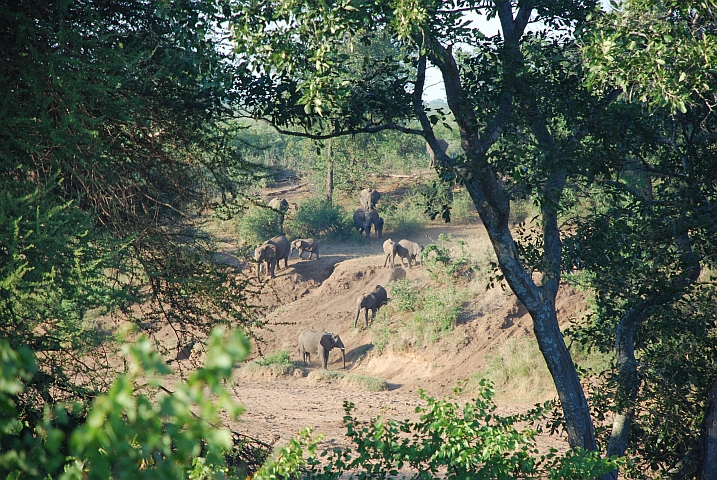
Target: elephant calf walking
[322,343]
[306,245]
[370,301]
[389,248]
[409,250]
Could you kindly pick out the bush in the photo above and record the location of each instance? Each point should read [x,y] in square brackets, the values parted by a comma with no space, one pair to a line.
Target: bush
[438,314]
[317,218]
[403,219]
[442,264]
[257,225]
[279,357]
[462,208]
[403,296]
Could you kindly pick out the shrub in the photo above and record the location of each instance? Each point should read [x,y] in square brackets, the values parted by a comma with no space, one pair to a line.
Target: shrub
[403,296]
[462,208]
[279,357]
[404,218]
[317,218]
[442,264]
[437,315]
[257,225]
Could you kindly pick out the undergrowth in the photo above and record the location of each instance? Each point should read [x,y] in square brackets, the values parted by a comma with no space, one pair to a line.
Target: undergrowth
[279,357]
[517,368]
[404,218]
[318,218]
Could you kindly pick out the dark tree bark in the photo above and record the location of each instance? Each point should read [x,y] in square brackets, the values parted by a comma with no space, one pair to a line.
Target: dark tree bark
[492,203]
[330,171]
[707,463]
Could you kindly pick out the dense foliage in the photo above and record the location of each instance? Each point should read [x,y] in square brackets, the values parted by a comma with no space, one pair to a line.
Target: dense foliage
[112,140]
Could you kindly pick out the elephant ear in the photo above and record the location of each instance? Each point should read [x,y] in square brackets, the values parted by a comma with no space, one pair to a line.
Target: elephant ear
[327,342]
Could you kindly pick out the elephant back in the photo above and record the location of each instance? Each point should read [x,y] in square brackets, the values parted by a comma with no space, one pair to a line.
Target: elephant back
[368,198]
[359,217]
[280,204]
[282,244]
[396,274]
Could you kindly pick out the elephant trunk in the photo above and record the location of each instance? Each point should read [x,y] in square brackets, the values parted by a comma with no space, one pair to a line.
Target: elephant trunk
[343,355]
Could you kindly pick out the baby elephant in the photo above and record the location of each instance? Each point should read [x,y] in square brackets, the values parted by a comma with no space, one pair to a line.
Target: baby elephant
[322,343]
[396,274]
[389,248]
[370,301]
[409,250]
[305,245]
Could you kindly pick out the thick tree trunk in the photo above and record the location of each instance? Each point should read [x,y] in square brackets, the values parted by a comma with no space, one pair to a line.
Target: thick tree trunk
[492,203]
[628,383]
[707,463]
[330,172]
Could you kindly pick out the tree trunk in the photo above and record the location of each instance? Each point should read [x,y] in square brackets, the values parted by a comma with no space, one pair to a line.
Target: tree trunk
[330,172]
[492,203]
[707,463]
[628,381]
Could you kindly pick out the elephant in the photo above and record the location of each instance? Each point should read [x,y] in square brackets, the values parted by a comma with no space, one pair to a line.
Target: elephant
[370,301]
[441,143]
[283,249]
[364,219]
[389,248]
[280,204]
[322,343]
[369,198]
[396,274]
[409,250]
[302,245]
[272,251]
[265,252]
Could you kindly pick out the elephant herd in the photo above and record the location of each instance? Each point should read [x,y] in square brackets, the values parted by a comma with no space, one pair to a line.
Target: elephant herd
[277,248]
[367,216]
[272,251]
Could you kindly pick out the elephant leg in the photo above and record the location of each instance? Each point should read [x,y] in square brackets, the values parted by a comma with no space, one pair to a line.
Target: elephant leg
[327,351]
[322,356]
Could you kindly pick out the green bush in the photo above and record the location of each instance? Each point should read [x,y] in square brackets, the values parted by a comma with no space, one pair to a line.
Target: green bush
[279,357]
[404,218]
[127,434]
[462,209]
[257,225]
[404,297]
[438,314]
[445,266]
[317,218]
